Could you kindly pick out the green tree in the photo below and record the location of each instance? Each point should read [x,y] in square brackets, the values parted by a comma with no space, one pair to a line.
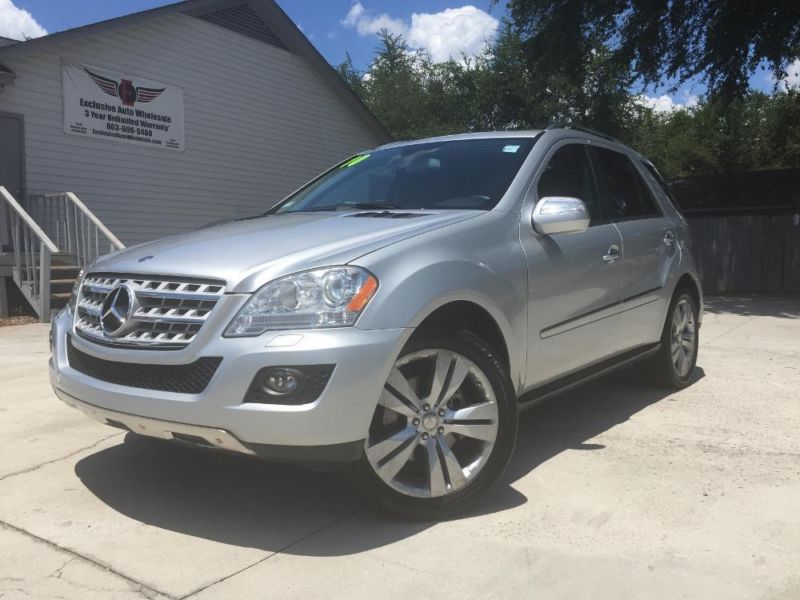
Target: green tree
[720,136]
[721,41]
[413,96]
[502,89]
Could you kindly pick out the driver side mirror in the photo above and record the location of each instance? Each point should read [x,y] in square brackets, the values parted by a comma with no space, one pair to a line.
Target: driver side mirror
[560,214]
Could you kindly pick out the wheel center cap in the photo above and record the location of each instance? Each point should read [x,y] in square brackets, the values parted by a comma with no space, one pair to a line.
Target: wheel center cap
[430,421]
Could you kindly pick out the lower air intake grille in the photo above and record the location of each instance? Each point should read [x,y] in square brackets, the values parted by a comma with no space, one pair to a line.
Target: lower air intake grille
[182,379]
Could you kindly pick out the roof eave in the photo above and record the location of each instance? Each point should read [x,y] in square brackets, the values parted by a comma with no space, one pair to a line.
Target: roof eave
[78,32]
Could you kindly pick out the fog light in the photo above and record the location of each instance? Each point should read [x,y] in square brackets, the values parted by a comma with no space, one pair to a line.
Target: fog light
[289,385]
[282,381]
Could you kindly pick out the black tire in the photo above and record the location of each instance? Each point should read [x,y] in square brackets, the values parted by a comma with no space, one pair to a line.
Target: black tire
[454,502]
[661,366]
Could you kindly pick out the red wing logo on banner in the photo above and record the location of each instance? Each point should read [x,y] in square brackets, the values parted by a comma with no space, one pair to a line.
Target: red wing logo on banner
[125,89]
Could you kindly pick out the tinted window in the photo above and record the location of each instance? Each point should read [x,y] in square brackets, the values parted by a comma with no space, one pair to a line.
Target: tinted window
[625,192]
[661,184]
[569,173]
[469,174]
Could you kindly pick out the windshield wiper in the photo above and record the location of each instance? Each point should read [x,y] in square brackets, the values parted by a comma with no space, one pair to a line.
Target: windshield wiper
[371,205]
[355,206]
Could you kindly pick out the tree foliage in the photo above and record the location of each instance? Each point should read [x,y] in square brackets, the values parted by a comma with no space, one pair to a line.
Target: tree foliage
[415,97]
[721,41]
[754,132]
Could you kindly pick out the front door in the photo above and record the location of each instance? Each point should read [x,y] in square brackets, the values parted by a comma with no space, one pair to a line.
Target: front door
[11,174]
[574,280]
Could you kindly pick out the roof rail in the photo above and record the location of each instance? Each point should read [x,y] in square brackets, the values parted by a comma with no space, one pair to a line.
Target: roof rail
[583,129]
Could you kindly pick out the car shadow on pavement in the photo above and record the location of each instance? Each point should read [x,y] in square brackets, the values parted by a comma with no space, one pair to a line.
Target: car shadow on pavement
[248,503]
[566,422]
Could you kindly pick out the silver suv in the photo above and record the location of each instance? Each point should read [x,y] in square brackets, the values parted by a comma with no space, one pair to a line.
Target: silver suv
[395,313]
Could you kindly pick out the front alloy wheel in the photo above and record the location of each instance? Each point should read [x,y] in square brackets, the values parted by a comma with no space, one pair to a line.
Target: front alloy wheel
[443,428]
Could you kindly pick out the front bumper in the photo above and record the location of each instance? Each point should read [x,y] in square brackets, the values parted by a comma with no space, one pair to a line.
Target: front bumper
[329,427]
[217,439]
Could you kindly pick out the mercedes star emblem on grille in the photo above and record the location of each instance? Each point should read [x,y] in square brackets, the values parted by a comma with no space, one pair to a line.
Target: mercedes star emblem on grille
[118,307]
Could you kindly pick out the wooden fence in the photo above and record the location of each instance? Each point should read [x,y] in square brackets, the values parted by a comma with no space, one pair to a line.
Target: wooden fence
[747,252]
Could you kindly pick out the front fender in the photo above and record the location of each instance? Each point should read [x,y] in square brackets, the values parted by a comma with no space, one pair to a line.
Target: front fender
[480,263]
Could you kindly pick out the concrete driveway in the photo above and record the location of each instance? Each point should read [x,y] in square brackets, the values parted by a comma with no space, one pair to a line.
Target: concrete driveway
[617,490]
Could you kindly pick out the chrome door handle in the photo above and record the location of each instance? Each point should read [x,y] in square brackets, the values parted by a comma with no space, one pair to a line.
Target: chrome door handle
[669,237]
[612,255]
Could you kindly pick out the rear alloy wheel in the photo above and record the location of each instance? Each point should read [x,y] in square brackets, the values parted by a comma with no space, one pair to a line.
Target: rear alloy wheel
[683,341]
[674,363]
[444,427]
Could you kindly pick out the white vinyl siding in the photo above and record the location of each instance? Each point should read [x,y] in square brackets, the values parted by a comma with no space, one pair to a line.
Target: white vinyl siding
[260,121]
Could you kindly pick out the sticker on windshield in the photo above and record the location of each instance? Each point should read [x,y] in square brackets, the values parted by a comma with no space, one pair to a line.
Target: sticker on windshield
[512,148]
[354,161]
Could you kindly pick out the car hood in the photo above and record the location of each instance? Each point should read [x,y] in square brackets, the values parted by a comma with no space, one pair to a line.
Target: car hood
[249,253]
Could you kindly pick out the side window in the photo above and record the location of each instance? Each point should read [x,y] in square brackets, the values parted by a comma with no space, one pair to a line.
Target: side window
[625,192]
[569,173]
[662,185]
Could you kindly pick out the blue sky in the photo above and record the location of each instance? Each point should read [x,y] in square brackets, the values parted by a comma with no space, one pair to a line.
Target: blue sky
[335,27]
[319,19]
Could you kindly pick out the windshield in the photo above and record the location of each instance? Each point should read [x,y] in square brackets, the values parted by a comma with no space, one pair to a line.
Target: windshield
[459,174]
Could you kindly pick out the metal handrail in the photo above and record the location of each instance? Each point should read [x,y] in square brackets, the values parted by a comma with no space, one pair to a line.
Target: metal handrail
[114,240]
[33,250]
[77,229]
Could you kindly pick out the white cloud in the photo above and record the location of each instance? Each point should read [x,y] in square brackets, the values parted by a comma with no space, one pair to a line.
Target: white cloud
[18,24]
[665,103]
[366,24]
[452,32]
[354,14]
[446,34]
[792,79]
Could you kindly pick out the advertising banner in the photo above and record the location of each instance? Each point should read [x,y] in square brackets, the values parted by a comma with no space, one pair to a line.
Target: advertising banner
[107,105]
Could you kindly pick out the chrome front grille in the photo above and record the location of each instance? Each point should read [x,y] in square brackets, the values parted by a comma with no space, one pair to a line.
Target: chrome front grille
[168,312]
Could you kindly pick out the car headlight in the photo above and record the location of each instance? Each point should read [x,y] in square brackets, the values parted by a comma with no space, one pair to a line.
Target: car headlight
[76,288]
[329,297]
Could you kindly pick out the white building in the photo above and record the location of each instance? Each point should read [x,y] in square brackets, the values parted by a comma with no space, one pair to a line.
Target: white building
[160,122]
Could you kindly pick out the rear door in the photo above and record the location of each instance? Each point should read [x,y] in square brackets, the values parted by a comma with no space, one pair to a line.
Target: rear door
[649,246]
[573,278]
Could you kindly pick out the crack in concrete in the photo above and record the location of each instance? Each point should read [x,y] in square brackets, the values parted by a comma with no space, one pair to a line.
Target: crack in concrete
[144,590]
[55,460]
[266,558]
[734,328]
[60,570]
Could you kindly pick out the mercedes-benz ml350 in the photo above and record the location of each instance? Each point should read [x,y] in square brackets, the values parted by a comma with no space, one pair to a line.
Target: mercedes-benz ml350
[394,314]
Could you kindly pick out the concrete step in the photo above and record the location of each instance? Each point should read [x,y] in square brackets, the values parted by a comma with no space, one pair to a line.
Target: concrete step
[62,285]
[62,272]
[62,258]
[56,259]
[59,300]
